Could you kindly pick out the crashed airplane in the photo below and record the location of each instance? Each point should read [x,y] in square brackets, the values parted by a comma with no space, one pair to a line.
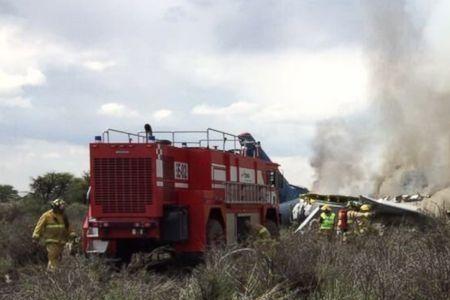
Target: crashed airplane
[386,211]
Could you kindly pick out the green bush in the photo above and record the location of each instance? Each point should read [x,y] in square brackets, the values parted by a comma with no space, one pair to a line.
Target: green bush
[8,193]
[76,213]
[52,185]
[9,211]
[16,242]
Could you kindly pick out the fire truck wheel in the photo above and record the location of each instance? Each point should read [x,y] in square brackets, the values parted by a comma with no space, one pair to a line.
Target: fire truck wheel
[215,236]
[272,227]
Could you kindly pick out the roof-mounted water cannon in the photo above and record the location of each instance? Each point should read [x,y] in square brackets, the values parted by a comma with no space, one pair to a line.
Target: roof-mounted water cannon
[149,137]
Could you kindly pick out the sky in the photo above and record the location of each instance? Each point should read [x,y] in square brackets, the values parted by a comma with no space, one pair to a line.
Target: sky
[275,68]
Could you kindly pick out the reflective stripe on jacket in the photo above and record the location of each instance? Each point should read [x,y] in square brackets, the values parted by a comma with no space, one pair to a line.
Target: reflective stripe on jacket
[361,220]
[327,221]
[52,229]
[353,215]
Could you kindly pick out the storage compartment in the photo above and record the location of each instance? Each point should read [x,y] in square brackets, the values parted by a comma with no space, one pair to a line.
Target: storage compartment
[175,223]
[242,230]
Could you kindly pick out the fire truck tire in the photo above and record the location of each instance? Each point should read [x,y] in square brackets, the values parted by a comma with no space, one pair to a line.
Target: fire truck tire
[272,227]
[215,235]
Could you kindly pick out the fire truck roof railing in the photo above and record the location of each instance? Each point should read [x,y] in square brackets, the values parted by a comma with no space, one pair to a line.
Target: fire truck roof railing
[209,138]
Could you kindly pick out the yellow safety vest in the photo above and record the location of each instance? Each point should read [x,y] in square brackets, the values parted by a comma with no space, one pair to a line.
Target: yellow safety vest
[327,221]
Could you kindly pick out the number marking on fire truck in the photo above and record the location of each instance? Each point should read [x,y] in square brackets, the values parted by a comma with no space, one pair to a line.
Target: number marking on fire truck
[181,171]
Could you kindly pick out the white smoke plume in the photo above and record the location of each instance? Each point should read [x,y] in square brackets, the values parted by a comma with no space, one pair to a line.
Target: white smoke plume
[401,144]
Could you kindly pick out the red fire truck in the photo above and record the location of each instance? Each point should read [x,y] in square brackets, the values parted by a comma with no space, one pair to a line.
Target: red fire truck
[183,189]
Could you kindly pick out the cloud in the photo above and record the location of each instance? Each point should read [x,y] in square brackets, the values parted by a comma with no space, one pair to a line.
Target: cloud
[296,169]
[286,86]
[16,102]
[232,109]
[31,158]
[18,68]
[114,109]
[98,66]
[162,114]
[277,67]
[12,83]
[266,25]
[26,56]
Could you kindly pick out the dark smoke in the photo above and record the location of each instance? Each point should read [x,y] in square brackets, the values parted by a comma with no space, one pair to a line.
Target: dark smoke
[402,143]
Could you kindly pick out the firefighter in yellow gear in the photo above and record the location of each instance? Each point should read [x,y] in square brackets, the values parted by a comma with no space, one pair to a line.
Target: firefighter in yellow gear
[263,233]
[258,231]
[327,220]
[351,208]
[55,230]
[260,238]
[361,219]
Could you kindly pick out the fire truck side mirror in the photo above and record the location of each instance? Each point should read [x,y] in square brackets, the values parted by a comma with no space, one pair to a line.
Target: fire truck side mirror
[88,194]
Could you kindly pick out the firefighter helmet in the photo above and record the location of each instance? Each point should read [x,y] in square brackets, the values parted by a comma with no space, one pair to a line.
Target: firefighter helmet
[365,207]
[57,203]
[307,199]
[326,207]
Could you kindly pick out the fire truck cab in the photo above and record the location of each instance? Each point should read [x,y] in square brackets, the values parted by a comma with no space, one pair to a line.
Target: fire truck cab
[184,189]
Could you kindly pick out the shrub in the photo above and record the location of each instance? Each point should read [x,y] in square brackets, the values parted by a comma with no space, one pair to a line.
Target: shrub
[236,274]
[17,224]
[81,278]
[76,213]
[9,211]
[16,242]
[404,263]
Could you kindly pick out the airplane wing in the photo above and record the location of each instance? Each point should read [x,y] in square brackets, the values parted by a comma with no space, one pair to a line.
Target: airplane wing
[392,208]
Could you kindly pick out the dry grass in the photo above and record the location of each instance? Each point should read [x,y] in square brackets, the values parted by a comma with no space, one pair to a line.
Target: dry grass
[404,263]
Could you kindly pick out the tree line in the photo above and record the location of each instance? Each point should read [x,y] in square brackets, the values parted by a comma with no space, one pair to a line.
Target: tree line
[49,186]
